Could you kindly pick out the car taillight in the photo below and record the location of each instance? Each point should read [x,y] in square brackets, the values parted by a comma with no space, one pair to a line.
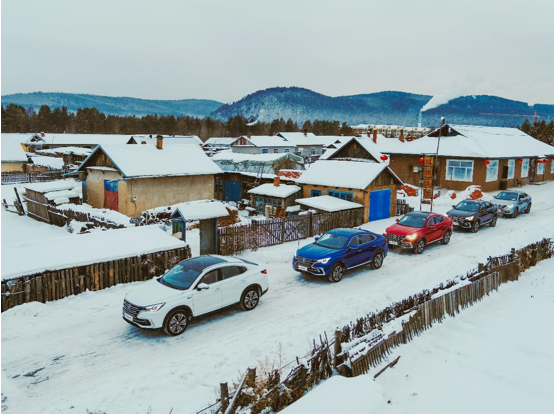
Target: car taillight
[264,271]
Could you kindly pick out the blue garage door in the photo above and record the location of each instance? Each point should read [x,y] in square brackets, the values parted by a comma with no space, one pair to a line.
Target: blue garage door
[232,191]
[379,204]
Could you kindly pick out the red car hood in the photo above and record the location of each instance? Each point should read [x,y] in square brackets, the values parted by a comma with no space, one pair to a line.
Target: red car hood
[402,230]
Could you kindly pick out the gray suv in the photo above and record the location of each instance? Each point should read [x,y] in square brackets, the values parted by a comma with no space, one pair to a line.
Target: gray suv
[512,202]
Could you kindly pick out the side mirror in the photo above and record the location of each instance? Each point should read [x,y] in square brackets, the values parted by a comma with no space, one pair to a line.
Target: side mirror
[397,220]
[454,206]
[202,286]
[316,238]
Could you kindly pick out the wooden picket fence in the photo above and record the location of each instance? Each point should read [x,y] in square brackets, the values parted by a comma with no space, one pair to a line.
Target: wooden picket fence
[33,176]
[273,392]
[57,284]
[236,239]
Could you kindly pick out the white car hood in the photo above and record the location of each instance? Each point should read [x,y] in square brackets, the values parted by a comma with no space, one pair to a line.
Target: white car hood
[151,292]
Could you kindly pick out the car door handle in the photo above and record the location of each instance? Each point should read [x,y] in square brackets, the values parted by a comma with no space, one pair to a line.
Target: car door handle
[217,289]
[244,280]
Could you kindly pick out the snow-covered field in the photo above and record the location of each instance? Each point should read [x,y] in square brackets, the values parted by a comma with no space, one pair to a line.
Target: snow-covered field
[494,357]
[87,357]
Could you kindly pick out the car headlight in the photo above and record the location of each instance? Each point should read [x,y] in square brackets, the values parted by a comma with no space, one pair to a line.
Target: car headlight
[412,237]
[323,261]
[470,217]
[154,307]
[510,206]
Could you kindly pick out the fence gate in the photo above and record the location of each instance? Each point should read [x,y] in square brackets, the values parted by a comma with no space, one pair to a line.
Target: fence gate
[379,204]
[232,190]
[111,196]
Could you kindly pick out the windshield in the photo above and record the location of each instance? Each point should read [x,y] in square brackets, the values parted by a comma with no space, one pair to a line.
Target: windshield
[413,221]
[467,206]
[507,196]
[332,240]
[183,275]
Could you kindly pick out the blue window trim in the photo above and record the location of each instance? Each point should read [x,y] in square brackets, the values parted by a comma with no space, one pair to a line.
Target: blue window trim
[315,193]
[349,196]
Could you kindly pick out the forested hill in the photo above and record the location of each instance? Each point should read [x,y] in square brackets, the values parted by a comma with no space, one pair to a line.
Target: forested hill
[114,105]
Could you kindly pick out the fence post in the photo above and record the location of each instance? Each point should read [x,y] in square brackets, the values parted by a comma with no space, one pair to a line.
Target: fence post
[251,377]
[224,390]
[338,348]
[310,224]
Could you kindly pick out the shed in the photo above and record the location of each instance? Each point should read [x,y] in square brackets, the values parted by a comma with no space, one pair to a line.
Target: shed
[327,203]
[272,199]
[204,211]
[39,196]
[13,156]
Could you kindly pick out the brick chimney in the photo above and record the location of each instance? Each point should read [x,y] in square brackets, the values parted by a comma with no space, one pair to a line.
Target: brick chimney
[42,134]
[249,135]
[375,136]
[160,142]
[305,132]
[276,181]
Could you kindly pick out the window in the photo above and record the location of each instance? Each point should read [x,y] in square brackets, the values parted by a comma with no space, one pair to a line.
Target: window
[341,195]
[552,166]
[210,277]
[315,193]
[364,239]
[265,150]
[275,150]
[354,241]
[459,170]
[260,202]
[525,168]
[229,272]
[540,168]
[511,168]
[312,151]
[287,150]
[492,171]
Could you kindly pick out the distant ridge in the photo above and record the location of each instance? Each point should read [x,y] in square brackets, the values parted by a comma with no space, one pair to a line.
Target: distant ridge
[301,104]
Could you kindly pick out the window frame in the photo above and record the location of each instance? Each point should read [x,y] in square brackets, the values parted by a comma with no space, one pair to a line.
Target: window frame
[489,174]
[348,196]
[512,168]
[452,161]
[540,166]
[265,150]
[525,163]
[315,193]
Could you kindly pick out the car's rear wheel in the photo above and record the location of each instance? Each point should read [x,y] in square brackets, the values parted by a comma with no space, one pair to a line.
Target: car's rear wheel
[420,247]
[446,238]
[176,323]
[337,273]
[476,226]
[528,210]
[377,260]
[250,298]
[493,221]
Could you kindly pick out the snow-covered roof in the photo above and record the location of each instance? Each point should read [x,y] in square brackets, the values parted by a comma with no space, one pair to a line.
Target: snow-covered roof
[267,141]
[50,162]
[340,173]
[79,151]
[82,139]
[281,191]
[310,139]
[240,157]
[12,151]
[85,249]
[220,141]
[168,139]
[328,203]
[69,194]
[146,160]
[45,187]
[200,209]
[479,142]
[367,143]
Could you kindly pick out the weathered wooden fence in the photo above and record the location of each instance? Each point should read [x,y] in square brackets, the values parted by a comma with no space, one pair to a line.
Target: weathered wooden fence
[235,239]
[57,284]
[362,345]
[33,176]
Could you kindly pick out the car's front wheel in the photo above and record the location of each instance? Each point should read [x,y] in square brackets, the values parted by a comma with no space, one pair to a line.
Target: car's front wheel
[420,247]
[250,298]
[493,221]
[528,210]
[516,213]
[446,238]
[476,226]
[337,273]
[377,260]
[176,322]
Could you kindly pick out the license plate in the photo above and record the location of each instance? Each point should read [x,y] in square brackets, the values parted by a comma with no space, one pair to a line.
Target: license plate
[393,243]
[455,223]
[302,268]
[127,317]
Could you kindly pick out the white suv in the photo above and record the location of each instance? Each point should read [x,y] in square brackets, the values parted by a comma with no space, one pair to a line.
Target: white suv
[194,287]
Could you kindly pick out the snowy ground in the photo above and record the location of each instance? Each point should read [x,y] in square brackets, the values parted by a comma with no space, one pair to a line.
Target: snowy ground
[89,358]
[494,357]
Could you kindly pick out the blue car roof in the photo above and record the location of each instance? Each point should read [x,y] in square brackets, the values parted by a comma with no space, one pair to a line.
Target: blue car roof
[348,231]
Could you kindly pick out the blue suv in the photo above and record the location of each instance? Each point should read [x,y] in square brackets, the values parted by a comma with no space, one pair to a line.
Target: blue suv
[341,249]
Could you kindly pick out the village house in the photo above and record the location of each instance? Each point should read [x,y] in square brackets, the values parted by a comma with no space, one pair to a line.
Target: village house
[391,131]
[309,145]
[13,156]
[492,157]
[133,178]
[44,163]
[272,199]
[69,155]
[262,144]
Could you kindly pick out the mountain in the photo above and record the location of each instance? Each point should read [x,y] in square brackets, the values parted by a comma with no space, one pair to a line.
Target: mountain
[114,105]
[389,107]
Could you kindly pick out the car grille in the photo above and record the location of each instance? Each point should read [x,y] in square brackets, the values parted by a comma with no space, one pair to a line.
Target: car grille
[396,238]
[131,309]
[305,262]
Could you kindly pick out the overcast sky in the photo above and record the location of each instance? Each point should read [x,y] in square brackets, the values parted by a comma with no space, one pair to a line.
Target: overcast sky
[224,50]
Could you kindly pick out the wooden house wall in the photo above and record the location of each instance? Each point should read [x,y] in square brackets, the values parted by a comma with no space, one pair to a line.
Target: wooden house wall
[353,150]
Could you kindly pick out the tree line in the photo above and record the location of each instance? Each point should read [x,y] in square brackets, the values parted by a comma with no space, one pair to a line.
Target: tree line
[539,130]
[16,119]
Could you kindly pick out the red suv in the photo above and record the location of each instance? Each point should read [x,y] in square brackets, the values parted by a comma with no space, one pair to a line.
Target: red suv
[418,229]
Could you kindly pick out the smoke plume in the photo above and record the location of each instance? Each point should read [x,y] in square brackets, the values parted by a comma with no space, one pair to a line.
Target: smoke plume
[458,89]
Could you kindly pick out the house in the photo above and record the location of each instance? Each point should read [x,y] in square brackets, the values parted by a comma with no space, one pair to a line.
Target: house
[309,144]
[391,131]
[44,141]
[362,147]
[69,155]
[168,139]
[492,157]
[220,142]
[44,163]
[262,144]
[134,178]
[272,199]
[364,181]
[13,156]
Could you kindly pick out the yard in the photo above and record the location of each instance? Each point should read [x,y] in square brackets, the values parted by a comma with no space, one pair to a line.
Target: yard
[78,354]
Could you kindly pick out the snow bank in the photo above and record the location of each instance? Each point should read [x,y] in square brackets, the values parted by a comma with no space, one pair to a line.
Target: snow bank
[84,249]
[54,163]
[107,215]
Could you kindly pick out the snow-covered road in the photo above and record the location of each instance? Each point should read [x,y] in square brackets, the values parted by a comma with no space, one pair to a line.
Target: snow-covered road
[87,357]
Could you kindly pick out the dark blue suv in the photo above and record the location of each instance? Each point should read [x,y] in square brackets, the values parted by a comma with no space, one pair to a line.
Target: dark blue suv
[341,249]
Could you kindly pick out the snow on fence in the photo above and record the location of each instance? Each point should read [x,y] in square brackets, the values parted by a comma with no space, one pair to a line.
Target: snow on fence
[33,176]
[364,345]
[260,233]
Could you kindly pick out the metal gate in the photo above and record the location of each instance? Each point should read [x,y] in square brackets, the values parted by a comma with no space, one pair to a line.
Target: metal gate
[379,204]
[232,191]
